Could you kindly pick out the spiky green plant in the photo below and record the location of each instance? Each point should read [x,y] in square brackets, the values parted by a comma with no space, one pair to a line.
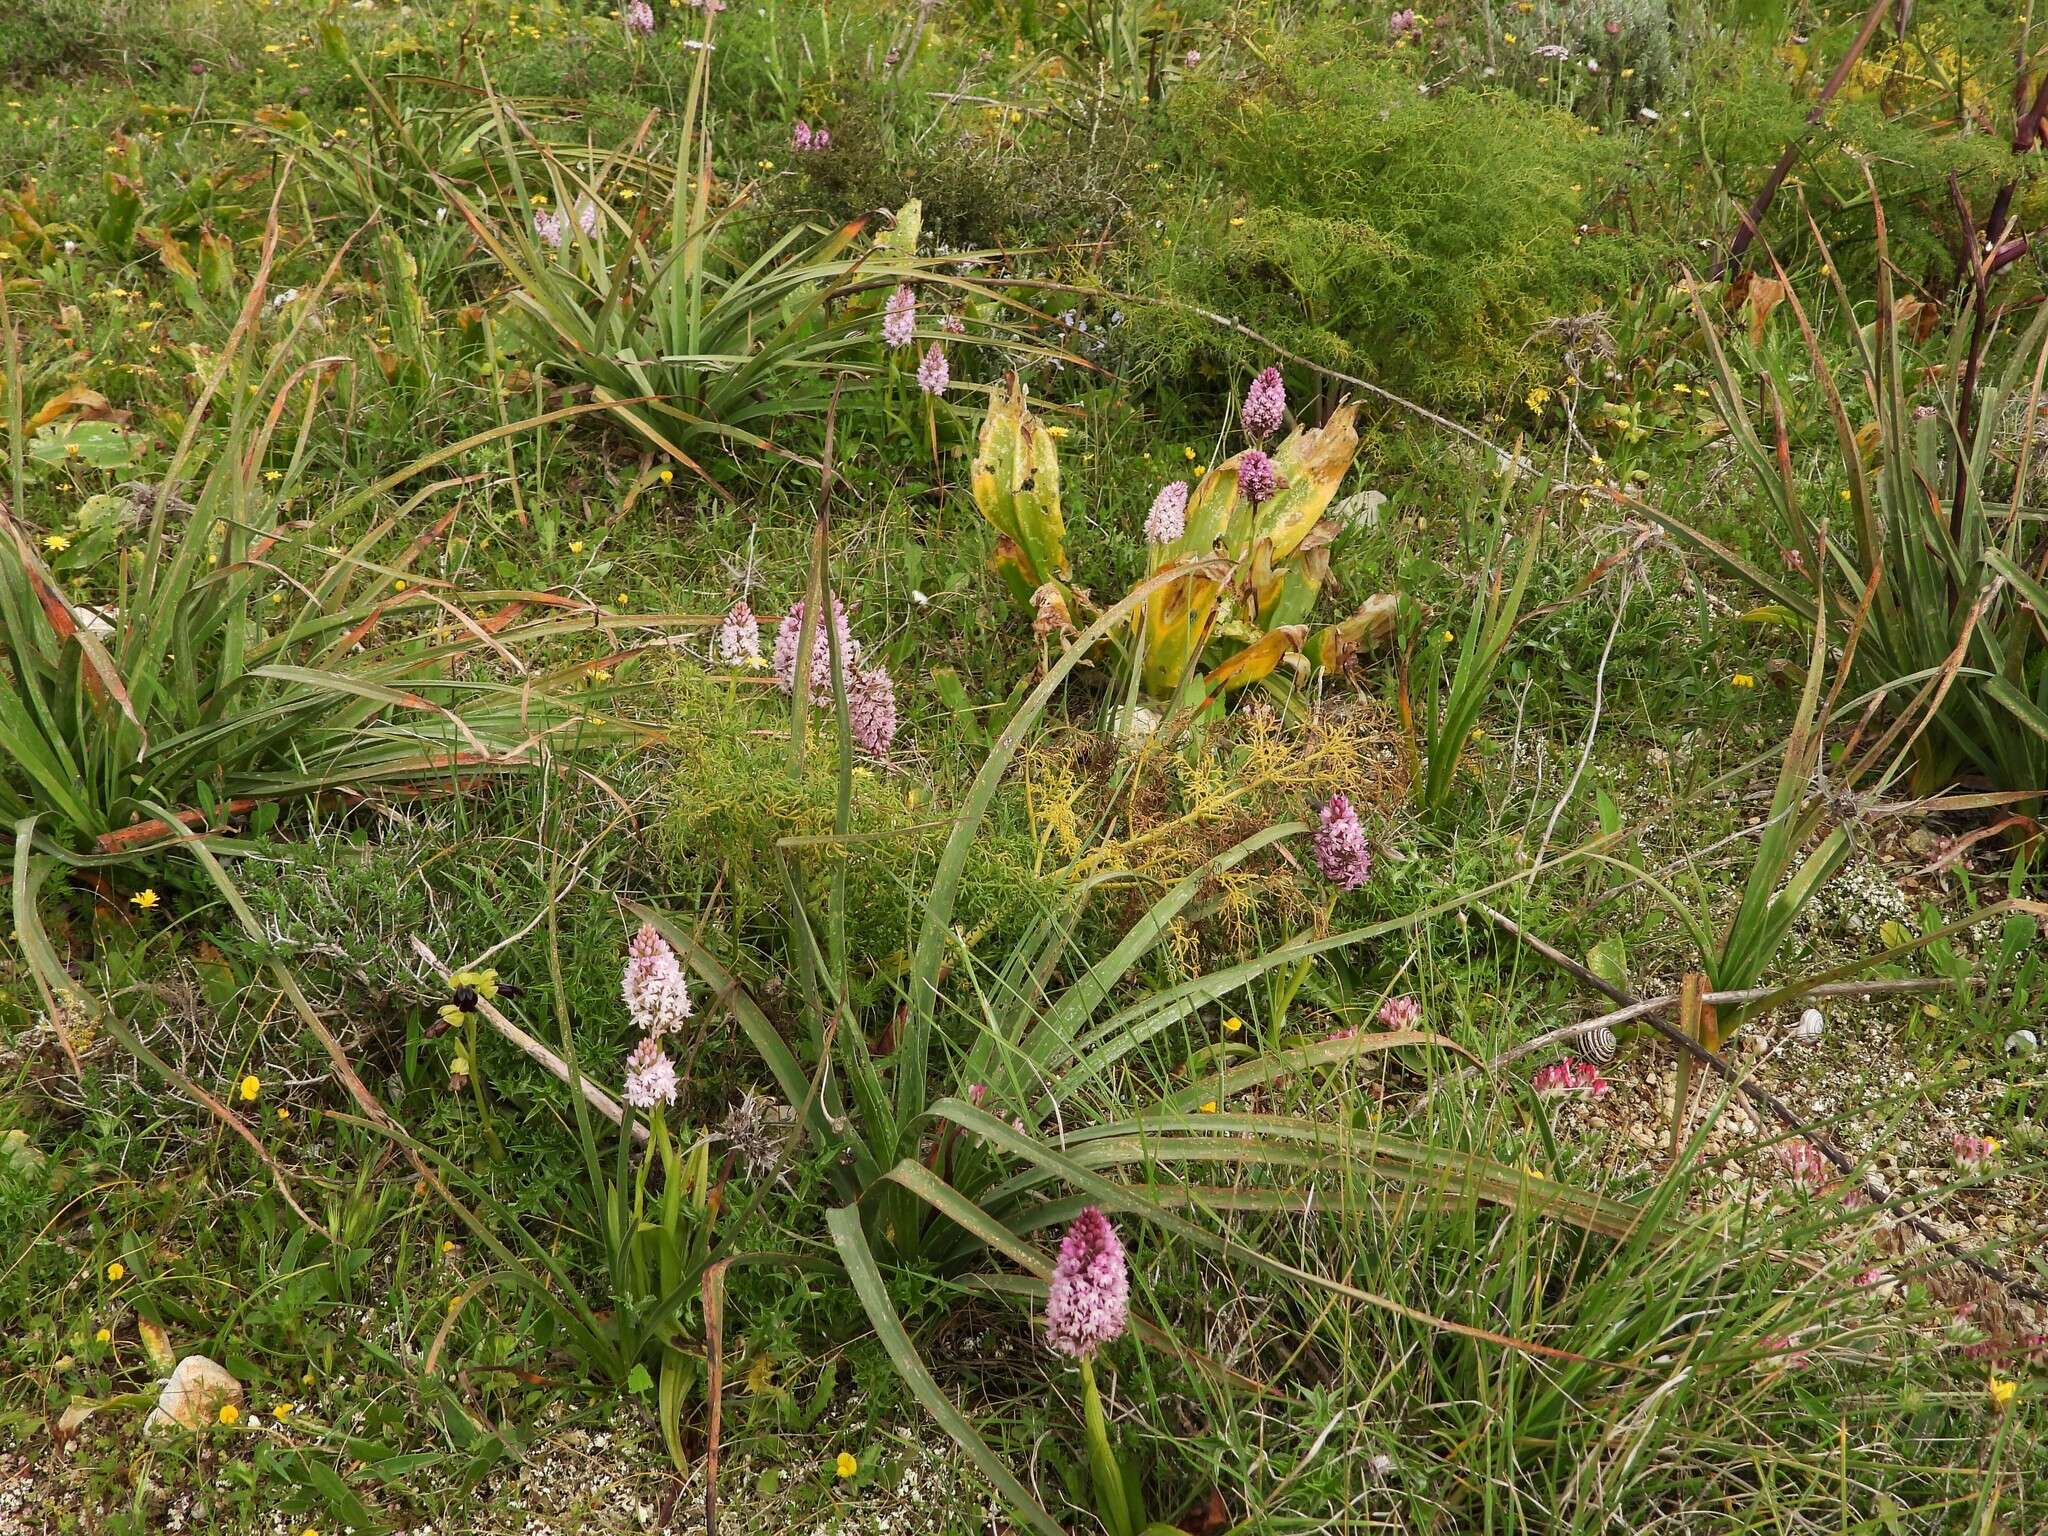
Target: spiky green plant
[1449,714]
[1935,522]
[695,334]
[222,656]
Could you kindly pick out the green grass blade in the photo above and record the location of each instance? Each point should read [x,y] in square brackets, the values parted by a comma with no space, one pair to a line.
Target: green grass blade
[844,1224]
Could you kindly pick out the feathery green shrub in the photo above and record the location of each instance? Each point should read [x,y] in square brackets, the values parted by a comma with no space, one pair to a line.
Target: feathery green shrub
[1416,238]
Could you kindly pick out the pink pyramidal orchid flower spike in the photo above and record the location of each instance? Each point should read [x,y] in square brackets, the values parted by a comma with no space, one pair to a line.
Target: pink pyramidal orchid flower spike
[1089,1302]
[1343,856]
[1402,1012]
[656,993]
[1265,405]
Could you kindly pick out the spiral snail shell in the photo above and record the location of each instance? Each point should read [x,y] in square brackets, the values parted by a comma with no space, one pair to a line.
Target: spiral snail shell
[1598,1045]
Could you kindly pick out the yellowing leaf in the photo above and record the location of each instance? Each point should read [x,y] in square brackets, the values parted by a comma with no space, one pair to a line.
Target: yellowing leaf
[1257,660]
[156,1345]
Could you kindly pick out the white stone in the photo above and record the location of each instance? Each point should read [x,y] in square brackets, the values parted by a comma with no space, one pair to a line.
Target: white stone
[193,1396]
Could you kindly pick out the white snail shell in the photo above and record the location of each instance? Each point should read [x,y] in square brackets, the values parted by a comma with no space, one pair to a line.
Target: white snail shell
[1811,1026]
[2022,1042]
[1598,1045]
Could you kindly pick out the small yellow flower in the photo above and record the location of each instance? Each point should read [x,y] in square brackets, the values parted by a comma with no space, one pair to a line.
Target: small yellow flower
[104,1336]
[1234,223]
[1534,1174]
[398,584]
[251,1087]
[1188,454]
[575,546]
[1537,398]
[1742,680]
[624,599]
[1207,1107]
[1449,637]
[1232,1025]
[667,476]
[1845,493]
[846,1464]
[146,898]
[2002,1391]
[306,1380]
[273,475]
[1507,37]
[1057,431]
[116,1270]
[283,1113]
[447,1245]
[281,1412]
[56,543]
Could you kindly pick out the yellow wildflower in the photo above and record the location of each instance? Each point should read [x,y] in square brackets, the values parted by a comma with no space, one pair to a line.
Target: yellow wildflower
[846,1464]
[252,1085]
[56,543]
[145,898]
[1742,680]
[230,1415]
[104,1336]
[2002,1391]
[116,1270]
[1232,1025]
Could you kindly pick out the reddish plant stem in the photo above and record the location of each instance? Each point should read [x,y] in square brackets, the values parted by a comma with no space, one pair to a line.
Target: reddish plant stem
[1752,216]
